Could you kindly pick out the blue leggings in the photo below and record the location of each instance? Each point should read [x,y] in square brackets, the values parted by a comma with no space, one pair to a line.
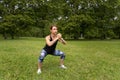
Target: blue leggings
[56,53]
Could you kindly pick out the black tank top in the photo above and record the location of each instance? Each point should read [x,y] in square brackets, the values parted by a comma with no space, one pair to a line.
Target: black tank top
[50,49]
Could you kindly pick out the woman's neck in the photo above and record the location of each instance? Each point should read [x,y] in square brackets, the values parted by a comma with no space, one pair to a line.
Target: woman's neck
[53,35]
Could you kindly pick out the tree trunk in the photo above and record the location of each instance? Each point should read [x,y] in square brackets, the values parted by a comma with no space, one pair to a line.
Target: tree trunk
[12,36]
[119,35]
[4,35]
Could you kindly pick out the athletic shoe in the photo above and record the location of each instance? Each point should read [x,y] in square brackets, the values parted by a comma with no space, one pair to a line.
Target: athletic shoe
[62,66]
[39,71]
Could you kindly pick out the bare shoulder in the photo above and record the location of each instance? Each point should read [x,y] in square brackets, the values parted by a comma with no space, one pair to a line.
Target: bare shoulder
[47,37]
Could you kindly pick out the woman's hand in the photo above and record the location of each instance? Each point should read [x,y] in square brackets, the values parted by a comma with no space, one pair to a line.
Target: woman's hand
[59,35]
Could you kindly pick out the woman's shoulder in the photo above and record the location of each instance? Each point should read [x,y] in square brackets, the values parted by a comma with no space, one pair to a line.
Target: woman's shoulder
[47,37]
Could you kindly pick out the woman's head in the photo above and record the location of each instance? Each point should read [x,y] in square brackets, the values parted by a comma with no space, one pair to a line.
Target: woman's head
[53,29]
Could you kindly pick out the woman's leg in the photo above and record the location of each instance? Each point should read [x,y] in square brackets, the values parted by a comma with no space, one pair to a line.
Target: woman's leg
[41,58]
[62,57]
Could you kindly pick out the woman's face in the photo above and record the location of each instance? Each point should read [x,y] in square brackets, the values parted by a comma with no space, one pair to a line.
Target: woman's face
[54,30]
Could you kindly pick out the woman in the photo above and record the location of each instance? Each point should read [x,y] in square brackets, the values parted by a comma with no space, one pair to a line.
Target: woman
[50,48]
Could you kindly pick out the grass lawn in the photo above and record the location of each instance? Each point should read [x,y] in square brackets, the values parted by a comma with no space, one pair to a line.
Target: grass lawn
[85,60]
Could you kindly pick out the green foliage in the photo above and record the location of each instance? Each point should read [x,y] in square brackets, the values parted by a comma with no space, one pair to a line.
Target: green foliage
[12,24]
[74,17]
[92,32]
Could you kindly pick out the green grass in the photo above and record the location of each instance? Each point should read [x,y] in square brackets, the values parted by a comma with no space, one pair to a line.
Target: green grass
[86,60]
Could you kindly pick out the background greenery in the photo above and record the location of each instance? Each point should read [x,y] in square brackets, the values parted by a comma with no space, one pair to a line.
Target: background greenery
[76,19]
[89,19]
[85,60]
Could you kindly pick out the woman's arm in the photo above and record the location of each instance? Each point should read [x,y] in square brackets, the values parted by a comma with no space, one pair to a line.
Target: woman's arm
[50,43]
[62,41]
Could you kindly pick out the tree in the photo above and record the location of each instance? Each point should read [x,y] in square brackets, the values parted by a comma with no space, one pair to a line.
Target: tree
[90,18]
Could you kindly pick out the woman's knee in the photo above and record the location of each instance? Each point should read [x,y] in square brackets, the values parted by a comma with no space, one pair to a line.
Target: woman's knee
[42,56]
[62,55]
